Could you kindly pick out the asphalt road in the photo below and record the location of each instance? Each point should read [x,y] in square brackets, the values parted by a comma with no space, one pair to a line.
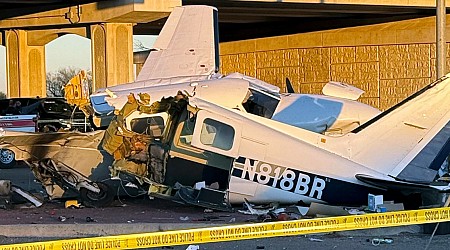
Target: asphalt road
[21,176]
[134,211]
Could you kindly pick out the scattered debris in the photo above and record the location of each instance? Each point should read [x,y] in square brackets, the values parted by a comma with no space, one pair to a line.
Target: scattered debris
[317,209]
[89,219]
[193,247]
[374,201]
[283,217]
[5,194]
[72,204]
[207,210]
[210,218]
[30,197]
[232,220]
[254,211]
[378,241]
[62,218]
[260,247]
[184,218]
[5,187]
[390,206]
[355,211]
[200,185]
[315,239]
[275,213]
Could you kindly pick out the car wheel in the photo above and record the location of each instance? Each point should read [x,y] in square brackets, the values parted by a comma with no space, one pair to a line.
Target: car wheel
[7,158]
[48,128]
[93,199]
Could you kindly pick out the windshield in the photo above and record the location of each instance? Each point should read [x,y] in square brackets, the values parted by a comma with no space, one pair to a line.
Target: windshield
[260,103]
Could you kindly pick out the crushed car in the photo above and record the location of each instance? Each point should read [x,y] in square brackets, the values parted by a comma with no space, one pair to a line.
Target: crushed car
[48,114]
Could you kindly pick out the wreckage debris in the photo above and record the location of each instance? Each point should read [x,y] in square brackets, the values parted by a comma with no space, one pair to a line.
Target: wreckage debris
[185,218]
[72,204]
[378,241]
[30,197]
[89,219]
[6,195]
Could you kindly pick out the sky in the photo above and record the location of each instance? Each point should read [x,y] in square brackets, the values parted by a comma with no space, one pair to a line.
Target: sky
[66,51]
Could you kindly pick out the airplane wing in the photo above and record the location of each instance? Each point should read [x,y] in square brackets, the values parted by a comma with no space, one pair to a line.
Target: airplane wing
[186,47]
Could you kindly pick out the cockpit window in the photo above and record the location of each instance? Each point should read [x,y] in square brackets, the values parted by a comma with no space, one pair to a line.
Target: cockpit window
[260,104]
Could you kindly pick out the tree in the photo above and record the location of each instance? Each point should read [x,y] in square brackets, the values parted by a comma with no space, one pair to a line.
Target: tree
[138,46]
[57,80]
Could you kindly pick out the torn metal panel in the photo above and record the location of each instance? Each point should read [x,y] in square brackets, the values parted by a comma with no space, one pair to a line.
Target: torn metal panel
[31,198]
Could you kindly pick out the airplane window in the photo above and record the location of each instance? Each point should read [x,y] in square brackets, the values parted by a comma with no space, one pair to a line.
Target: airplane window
[260,104]
[153,126]
[187,131]
[217,134]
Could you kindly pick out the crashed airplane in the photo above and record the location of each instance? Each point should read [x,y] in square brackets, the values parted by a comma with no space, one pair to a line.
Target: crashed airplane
[186,133]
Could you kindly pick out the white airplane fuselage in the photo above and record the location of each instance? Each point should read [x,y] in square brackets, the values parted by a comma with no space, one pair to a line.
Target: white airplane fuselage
[271,160]
[283,163]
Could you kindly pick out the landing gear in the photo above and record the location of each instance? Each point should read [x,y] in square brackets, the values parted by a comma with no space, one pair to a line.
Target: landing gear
[92,194]
[93,199]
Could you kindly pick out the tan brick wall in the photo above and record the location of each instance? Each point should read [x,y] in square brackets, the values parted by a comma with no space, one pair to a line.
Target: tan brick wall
[388,61]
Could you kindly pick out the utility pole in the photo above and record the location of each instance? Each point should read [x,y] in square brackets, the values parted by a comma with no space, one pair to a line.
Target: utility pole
[440,38]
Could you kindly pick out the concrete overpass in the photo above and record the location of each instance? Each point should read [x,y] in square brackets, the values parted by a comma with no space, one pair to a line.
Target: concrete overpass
[27,26]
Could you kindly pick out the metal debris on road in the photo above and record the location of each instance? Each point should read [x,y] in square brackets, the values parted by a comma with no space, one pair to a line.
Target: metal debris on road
[184,218]
[378,241]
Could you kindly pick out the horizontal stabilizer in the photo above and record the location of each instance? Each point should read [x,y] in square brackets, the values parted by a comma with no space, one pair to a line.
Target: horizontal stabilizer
[392,184]
[424,166]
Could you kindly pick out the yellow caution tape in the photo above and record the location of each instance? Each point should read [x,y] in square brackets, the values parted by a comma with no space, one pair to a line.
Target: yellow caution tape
[242,232]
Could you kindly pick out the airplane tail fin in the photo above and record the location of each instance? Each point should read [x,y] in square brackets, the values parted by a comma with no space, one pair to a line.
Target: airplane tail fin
[411,140]
[187,45]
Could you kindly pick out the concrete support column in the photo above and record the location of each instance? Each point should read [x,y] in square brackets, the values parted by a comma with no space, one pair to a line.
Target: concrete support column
[112,54]
[25,66]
